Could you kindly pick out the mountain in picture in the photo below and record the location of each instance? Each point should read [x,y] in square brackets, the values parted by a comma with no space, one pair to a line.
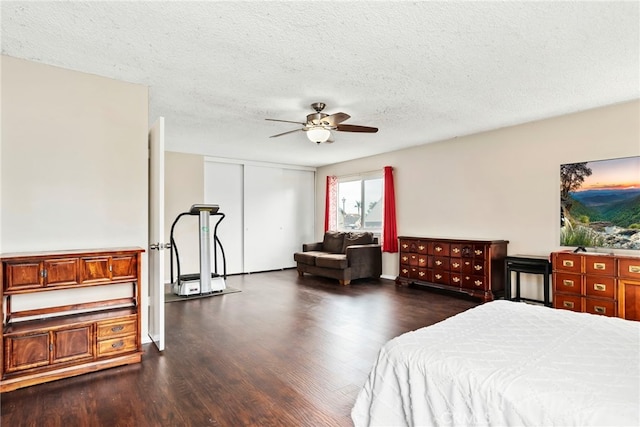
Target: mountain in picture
[600,203]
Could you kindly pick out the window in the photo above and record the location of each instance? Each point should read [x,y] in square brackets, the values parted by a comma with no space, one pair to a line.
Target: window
[360,202]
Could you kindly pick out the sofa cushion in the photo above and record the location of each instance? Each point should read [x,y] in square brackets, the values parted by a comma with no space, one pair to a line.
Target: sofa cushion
[333,242]
[357,238]
[338,261]
[307,257]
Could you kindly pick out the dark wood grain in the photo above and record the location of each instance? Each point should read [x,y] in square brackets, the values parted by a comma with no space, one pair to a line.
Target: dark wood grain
[286,351]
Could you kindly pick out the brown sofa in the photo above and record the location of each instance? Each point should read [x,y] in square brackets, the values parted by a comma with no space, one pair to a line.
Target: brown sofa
[344,256]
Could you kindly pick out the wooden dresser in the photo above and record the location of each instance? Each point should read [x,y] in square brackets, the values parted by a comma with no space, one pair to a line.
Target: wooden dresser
[51,340]
[595,283]
[473,267]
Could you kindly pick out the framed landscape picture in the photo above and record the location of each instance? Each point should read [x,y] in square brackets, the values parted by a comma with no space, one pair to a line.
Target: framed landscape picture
[600,204]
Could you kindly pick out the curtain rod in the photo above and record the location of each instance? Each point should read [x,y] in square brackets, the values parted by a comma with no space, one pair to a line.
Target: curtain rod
[361,173]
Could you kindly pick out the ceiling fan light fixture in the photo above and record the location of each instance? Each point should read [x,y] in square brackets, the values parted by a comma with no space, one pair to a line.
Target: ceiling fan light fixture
[318,134]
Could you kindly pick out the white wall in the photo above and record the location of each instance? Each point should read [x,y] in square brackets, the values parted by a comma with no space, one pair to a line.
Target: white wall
[183,187]
[502,184]
[74,161]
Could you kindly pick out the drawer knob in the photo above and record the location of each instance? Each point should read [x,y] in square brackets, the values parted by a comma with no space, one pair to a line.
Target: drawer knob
[438,262]
[478,282]
[568,304]
[405,258]
[438,276]
[456,250]
[478,252]
[477,267]
[456,279]
[117,328]
[421,247]
[599,266]
[405,246]
[421,273]
[118,344]
[634,269]
[438,249]
[599,287]
[421,260]
[405,271]
[599,309]
[568,283]
[567,263]
[456,265]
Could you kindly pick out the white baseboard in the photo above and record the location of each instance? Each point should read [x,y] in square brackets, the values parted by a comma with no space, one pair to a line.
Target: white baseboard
[386,276]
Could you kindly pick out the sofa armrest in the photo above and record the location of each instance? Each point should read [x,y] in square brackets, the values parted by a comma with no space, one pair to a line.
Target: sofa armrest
[317,246]
[365,260]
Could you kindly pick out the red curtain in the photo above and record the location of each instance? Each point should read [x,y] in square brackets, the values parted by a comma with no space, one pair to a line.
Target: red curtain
[331,203]
[389,230]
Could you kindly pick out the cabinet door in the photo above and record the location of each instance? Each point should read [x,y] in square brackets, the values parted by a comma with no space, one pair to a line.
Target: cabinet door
[72,344]
[26,351]
[95,269]
[61,272]
[124,267]
[23,275]
[629,299]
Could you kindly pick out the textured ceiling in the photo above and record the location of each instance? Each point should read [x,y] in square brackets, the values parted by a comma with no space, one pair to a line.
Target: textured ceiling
[419,71]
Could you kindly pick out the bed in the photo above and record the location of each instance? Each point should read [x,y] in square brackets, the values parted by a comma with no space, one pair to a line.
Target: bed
[509,364]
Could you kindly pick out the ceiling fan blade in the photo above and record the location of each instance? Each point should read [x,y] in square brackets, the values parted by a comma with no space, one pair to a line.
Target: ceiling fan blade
[334,119]
[355,128]
[284,133]
[286,121]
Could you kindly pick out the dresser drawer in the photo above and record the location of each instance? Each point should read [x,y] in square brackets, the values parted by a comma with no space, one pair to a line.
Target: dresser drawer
[474,282]
[456,264]
[117,345]
[116,328]
[455,250]
[422,247]
[441,263]
[629,268]
[600,265]
[441,277]
[600,286]
[456,279]
[404,257]
[567,302]
[600,306]
[479,251]
[568,262]
[567,283]
[404,270]
[418,273]
[441,249]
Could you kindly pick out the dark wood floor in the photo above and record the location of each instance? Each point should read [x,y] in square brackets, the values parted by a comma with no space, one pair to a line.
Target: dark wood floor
[286,351]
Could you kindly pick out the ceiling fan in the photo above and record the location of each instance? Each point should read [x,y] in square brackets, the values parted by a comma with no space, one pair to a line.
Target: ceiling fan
[319,125]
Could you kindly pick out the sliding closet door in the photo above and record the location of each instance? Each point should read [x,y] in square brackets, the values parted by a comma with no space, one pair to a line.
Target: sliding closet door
[299,212]
[264,246]
[223,185]
[269,212]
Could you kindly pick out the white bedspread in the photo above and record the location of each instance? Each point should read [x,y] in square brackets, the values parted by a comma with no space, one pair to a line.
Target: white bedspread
[508,364]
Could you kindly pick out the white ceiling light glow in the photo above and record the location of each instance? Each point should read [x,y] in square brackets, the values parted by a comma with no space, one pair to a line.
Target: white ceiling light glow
[318,134]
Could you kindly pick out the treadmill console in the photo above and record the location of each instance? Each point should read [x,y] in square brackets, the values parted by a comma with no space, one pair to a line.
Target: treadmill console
[197,208]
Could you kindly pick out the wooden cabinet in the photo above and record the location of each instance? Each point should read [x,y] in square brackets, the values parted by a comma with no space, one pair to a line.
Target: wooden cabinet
[45,344]
[594,283]
[473,267]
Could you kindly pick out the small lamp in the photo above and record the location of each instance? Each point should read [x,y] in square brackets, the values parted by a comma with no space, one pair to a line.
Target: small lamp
[318,134]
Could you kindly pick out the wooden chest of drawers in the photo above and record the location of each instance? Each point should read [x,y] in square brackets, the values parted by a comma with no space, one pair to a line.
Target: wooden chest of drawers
[473,267]
[595,283]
